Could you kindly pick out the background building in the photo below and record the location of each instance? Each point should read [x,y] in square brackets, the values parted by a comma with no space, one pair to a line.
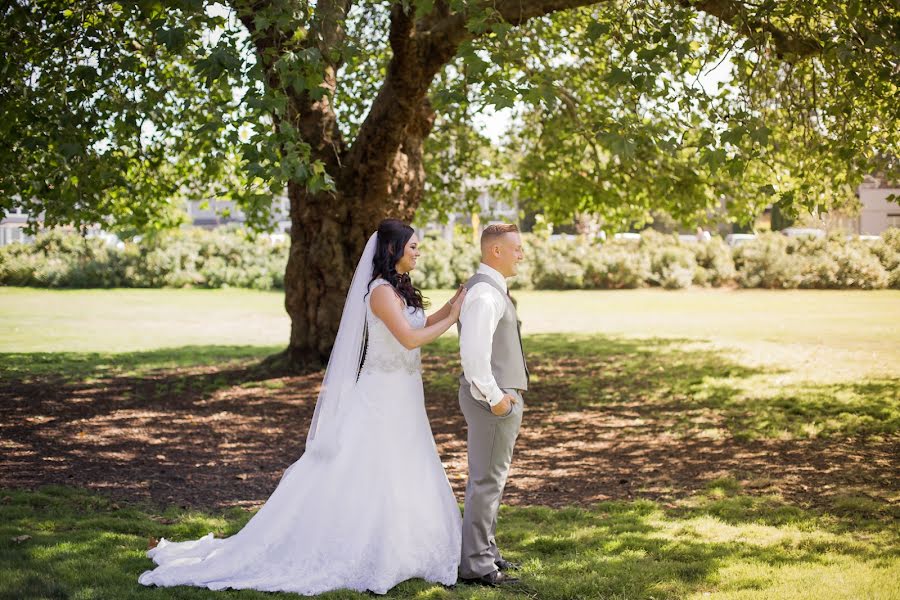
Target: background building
[877,212]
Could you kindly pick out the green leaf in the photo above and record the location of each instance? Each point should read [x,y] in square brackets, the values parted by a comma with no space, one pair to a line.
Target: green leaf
[767,190]
[424,7]
[70,149]
[174,39]
[597,29]
[734,135]
[85,72]
[618,76]
[760,135]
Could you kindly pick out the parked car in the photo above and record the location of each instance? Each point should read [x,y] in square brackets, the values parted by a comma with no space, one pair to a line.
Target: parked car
[804,231]
[736,239]
[110,239]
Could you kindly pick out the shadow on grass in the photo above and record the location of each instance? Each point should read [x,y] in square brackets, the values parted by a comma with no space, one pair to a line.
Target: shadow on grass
[689,389]
[606,418]
[72,367]
[171,424]
[83,545]
[864,409]
[572,372]
[610,418]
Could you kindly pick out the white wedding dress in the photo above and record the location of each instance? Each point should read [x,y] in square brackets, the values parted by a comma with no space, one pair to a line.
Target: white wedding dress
[377,512]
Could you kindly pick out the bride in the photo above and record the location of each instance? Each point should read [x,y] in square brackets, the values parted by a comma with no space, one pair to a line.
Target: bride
[368,505]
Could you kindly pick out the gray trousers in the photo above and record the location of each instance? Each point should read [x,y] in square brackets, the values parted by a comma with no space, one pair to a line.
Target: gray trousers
[490,447]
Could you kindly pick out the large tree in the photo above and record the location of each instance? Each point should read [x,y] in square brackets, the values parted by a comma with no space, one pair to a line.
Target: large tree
[114,112]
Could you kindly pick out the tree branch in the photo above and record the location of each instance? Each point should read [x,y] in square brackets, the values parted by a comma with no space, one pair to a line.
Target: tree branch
[327,29]
[401,107]
[420,48]
[442,24]
[733,13]
[314,118]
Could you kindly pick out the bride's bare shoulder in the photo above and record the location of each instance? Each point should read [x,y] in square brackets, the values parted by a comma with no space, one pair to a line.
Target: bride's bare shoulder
[384,295]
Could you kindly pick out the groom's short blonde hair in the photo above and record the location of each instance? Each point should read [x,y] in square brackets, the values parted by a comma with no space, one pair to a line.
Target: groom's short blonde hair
[492,232]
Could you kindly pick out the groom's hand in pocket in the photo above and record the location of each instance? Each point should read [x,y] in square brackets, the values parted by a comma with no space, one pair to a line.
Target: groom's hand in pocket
[505,406]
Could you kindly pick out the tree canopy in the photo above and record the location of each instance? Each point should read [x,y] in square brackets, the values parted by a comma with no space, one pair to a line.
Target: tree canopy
[661,106]
[116,111]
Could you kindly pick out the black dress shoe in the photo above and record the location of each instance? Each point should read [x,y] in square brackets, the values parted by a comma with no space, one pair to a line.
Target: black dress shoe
[492,579]
[505,565]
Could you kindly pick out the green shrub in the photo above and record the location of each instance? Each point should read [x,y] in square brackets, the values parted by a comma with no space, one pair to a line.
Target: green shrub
[672,265]
[842,265]
[558,264]
[766,263]
[559,273]
[773,260]
[230,258]
[180,258]
[617,265]
[715,265]
[58,259]
[434,270]
[464,259]
[887,250]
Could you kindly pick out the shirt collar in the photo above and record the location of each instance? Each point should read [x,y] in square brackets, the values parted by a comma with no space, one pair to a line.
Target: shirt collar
[493,274]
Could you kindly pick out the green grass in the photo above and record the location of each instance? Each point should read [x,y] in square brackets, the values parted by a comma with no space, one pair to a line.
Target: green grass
[695,389]
[716,364]
[717,544]
[123,320]
[91,366]
[856,332]
[776,364]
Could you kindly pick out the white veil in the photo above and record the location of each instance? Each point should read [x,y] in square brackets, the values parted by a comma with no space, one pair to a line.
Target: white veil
[344,362]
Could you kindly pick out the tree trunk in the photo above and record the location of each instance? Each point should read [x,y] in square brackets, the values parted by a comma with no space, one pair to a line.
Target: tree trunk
[328,232]
[381,175]
[779,219]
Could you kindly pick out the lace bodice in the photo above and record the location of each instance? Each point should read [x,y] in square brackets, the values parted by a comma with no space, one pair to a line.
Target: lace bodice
[384,353]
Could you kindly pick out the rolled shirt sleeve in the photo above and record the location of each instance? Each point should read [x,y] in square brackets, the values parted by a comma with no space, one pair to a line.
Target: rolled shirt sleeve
[479,317]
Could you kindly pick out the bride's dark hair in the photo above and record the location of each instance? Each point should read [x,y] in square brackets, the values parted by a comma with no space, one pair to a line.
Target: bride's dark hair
[393,235]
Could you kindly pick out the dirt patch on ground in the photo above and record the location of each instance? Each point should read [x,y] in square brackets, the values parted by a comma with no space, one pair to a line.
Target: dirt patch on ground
[206,438]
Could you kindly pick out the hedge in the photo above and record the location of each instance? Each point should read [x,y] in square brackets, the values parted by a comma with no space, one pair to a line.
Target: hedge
[230,258]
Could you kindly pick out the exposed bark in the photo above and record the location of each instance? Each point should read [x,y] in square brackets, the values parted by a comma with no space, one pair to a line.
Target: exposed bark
[399,119]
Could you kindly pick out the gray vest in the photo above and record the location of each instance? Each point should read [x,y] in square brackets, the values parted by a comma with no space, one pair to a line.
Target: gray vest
[507,355]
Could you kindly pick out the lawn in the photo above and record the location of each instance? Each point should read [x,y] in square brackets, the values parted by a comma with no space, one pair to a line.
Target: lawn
[718,544]
[857,332]
[697,444]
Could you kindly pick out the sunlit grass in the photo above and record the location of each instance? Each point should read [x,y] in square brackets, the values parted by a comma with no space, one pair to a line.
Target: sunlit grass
[856,332]
[719,542]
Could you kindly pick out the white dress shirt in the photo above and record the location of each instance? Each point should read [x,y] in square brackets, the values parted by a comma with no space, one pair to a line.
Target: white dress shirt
[480,314]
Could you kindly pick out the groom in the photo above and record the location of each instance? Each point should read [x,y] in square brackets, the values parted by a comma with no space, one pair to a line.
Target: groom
[490,396]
